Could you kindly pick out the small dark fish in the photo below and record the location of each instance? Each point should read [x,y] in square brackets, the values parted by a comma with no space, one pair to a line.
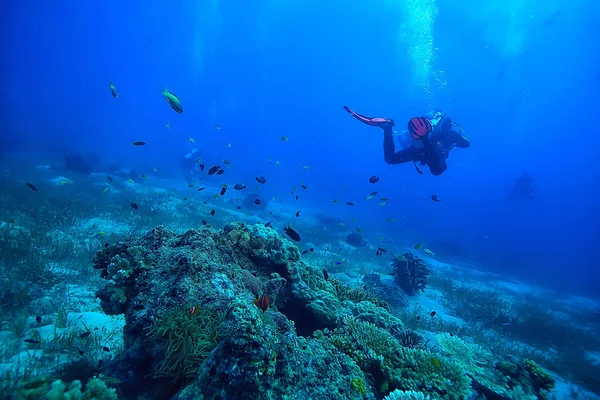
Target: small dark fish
[96,329]
[262,302]
[432,313]
[31,186]
[297,214]
[377,253]
[325,274]
[305,252]
[104,348]
[32,341]
[381,249]
[201,189]
[349,203]
[113,90]
[239,186]
[374,179]
[213,170]
[296,197]
[451,334]
[292,234]
[435,198]
[311,249]
[85,334]
[201,166]
[109,178]
[38,319]
[212,212]
[139,143]
[418,317]
[239,207]
[134,206]
[257,201]
[261,179]
[226,162]
[267,225]
[304,187]
[223,190]
[203,222]
[220,172]
[80,352]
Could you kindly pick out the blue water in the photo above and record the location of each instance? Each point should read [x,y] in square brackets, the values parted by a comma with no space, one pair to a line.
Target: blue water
[521,79]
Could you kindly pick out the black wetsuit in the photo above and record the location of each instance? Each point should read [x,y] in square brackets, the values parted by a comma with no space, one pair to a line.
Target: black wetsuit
[435,150]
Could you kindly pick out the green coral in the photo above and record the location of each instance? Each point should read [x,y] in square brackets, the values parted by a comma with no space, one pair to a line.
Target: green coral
[541,379]
[380,355]
[357,295]
[188,338]
[406,395]
[45,388]
[358,384]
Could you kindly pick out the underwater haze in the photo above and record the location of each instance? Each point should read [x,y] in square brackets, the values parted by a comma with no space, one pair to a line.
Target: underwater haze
[86,133]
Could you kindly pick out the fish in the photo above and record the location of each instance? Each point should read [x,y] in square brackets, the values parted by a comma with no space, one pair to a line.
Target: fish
[304,187]
[295,236]
[432,313]
[38,319]
[105,348]
[130,180]
[428,252]
[325,274]
[101,233]
[110,179]
[194,310]
[267,225]
[203,222]
[31,186]
[419,246]
[191,139]
[418,318]
[201,189]
[374,179]
[154,169]
[134,206]
[342,225]
[296,197]
[220,172]
[377,253]
[105,190]
[257,201]
[384,199]
[168,125]
[335,201]
[304,168]
[297,213]
[223,190]
[144,176]
[371,195]
[228,145]
[213,169]
[349,203]
[173,101]
[261,179]
[85,334]
[391,219]
[32,341]
[139,143]
[435,198]
[218,127]
[113,90]
[213,212]
[305,252]
[284,138]
[201,166]
[64,181]
[262,302]
[277,163]
[381,249]
[435,362]
[239,186]
[238,207]
[227,162]
[185,199]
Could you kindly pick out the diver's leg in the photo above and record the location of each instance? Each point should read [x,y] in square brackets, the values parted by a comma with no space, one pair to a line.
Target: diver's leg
[390,154]
[437,164]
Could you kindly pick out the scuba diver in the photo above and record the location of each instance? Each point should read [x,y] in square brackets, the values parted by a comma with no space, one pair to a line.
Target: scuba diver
[430,141]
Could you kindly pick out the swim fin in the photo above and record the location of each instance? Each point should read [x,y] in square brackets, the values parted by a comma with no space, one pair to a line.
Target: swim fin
[381,122]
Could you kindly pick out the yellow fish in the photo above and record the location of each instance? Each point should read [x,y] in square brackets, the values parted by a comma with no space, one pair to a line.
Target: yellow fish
[100,233]
[191,139]
[428,252]
[173,101]
[130,180]
[105,190]
[391,220]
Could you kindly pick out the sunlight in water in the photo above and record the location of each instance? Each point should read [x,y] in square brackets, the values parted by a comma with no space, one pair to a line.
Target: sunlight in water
[416,36]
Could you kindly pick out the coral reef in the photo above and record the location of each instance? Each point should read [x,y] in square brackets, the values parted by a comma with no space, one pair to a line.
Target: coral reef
[406,395]
[45,388]
[411,273]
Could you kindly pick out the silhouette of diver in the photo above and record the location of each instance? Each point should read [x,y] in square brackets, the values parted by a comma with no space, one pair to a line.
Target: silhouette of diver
[432,137]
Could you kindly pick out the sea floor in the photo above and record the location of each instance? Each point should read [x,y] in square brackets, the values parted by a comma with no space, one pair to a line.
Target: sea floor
[51,314]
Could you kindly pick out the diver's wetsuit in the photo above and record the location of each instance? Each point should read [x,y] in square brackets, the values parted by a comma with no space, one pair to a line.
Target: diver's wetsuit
[436,146]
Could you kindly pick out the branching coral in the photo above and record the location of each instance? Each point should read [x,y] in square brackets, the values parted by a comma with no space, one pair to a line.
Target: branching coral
[358,294]
[188,339]
[411,273]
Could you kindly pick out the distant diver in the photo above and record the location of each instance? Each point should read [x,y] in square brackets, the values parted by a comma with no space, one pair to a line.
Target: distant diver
[431,139]
[522,188]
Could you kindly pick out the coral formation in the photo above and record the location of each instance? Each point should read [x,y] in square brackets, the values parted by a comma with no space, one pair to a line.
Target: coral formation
[45,388]
[411,273]
[406,395]
[355,240]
